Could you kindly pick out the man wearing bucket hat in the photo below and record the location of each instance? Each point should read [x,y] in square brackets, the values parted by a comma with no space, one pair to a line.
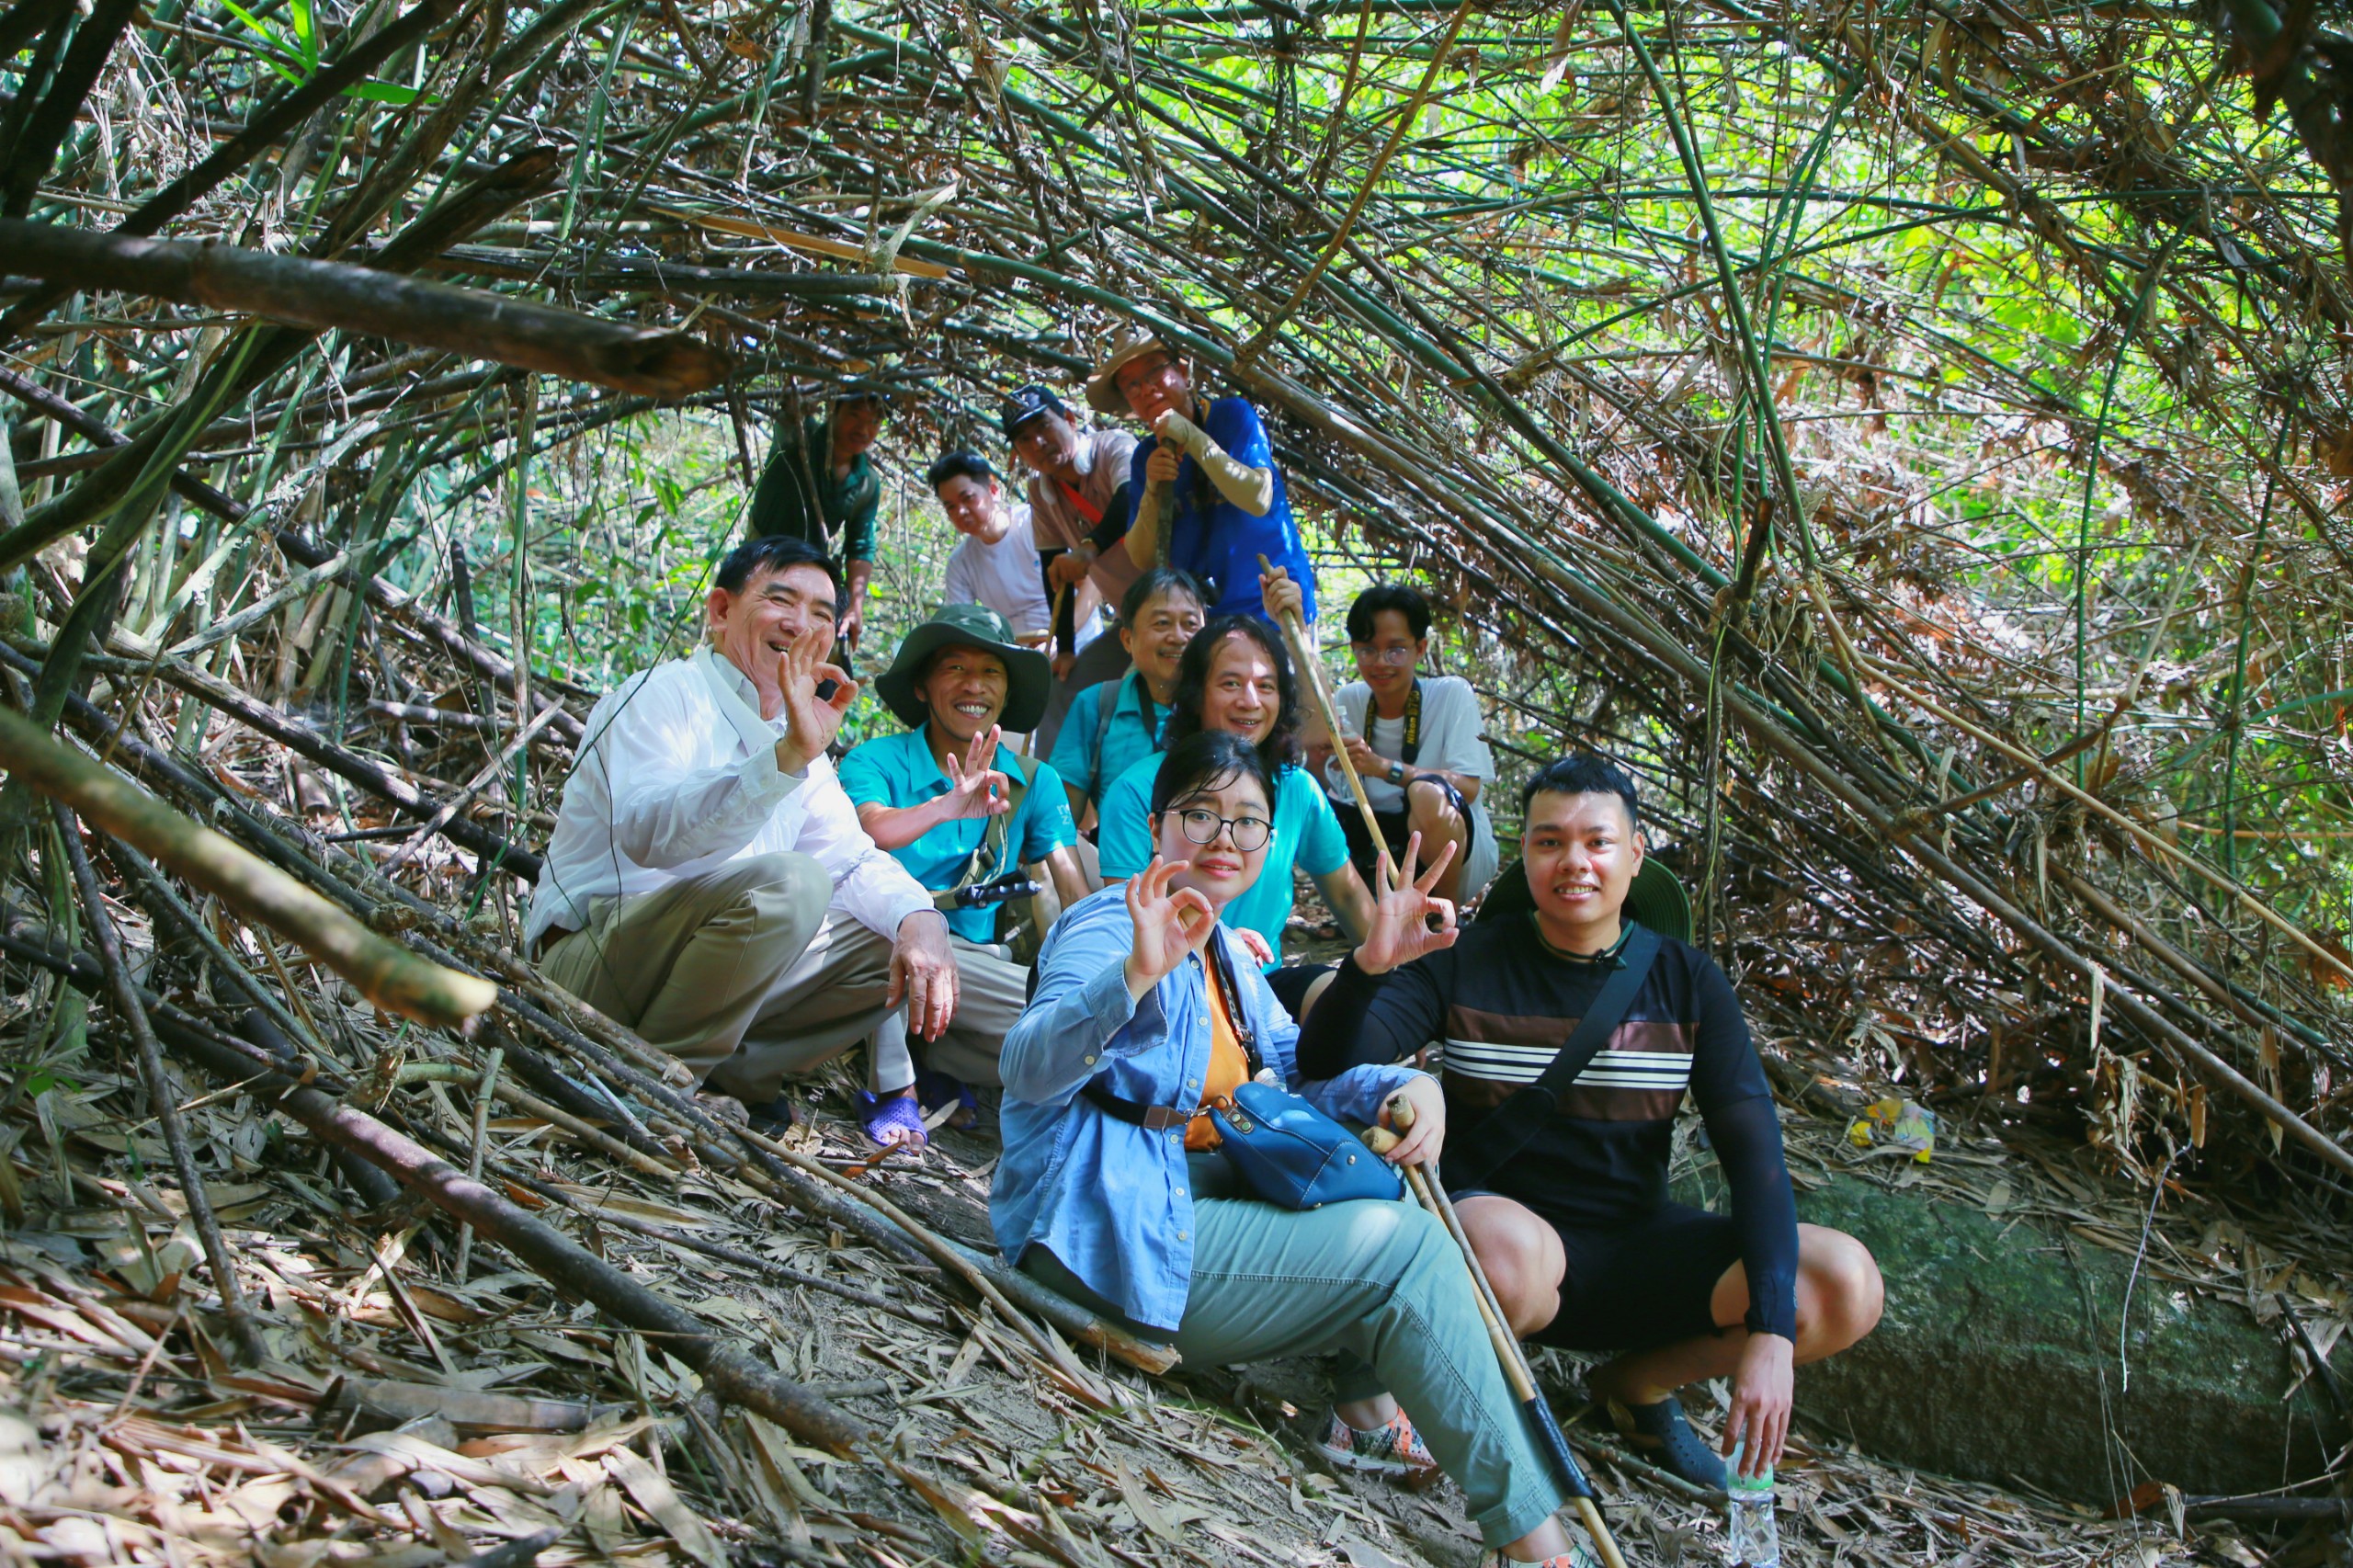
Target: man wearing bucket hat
[962,811]
[1213,467]
[820,485]
[1078,514]
[1563,1171]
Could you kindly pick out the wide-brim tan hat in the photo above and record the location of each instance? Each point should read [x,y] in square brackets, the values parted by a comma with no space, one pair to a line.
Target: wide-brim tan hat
[1103,394]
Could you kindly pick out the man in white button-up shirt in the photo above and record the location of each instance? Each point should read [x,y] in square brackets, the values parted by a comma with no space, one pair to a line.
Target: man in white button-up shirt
[708,881]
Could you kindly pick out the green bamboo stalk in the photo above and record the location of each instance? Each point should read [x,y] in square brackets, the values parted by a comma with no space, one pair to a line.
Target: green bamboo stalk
[390,976]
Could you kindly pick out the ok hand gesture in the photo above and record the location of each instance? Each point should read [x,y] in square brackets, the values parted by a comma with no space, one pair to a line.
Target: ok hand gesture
[814,719]
[976,790]
[1169,926]
[1400,928]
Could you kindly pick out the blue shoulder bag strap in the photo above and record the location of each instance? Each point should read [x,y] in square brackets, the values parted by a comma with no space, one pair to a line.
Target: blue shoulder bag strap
[1472,1154]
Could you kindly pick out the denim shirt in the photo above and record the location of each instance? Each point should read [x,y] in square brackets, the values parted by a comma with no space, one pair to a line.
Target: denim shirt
[1110,1199]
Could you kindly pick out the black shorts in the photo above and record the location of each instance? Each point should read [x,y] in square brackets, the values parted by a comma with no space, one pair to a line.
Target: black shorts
[1395,828]
[1290,982]
[1640,1283]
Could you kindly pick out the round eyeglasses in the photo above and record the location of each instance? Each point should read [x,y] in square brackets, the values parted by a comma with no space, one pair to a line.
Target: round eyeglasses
[1371,654]
[1249,833]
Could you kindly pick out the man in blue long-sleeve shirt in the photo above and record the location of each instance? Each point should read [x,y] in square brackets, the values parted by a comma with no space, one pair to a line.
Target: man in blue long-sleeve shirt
[1574,1228]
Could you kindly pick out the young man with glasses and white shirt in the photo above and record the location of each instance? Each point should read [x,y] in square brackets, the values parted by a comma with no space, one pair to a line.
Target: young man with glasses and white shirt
[1416,743]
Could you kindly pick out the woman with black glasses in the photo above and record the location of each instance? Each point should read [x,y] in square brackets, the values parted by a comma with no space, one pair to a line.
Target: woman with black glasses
[1113,1191]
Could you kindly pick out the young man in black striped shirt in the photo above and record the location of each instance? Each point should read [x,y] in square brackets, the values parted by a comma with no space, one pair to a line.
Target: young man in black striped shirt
[1574,1228]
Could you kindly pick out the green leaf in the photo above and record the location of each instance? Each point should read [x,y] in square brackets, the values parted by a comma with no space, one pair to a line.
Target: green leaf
[306,32]
[386,93]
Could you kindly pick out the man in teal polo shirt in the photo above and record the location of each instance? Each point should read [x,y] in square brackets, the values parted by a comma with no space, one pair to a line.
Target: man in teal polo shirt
[960,808]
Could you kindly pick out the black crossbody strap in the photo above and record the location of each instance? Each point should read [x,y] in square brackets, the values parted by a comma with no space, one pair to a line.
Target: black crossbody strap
[1472,1155]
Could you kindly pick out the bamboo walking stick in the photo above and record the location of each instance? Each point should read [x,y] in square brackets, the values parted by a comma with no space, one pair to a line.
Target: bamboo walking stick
[1430,1192]
[1311,672]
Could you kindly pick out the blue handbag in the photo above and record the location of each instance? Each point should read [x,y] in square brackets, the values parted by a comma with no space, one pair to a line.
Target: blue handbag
[1287,1153]
[1292,1155]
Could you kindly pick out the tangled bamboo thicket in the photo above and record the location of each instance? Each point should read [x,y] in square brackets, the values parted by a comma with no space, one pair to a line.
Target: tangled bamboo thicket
[1916,437]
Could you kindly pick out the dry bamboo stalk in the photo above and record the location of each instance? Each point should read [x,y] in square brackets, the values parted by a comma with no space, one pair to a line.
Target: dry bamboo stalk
[160,1100]
[390,976]
[949,1257]
[2029,763]
[326,295]
[730,1371]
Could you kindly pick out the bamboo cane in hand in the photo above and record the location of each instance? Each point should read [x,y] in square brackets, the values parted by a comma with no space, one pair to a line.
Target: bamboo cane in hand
[1311,673]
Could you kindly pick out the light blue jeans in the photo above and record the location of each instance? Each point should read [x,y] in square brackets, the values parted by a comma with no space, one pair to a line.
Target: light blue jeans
[1382,1282]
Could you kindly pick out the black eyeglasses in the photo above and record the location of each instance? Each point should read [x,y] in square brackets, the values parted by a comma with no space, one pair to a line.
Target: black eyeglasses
[1249,833]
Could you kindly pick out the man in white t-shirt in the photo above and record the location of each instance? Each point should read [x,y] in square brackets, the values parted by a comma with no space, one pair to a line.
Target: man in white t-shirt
[1416,743]
[997,564]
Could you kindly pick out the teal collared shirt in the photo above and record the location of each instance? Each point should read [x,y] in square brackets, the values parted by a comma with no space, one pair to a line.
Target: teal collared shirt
[899,771]
[1306,835]
[1134,734]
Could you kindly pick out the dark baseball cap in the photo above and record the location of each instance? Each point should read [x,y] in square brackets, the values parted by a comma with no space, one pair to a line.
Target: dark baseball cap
[1024,403]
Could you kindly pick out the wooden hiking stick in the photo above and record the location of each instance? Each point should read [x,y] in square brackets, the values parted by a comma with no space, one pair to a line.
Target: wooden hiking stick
[1303,657]
[1430,1192]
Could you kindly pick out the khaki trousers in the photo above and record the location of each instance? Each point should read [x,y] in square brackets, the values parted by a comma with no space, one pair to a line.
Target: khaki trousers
[832,997]
[691,965]
[990,993]
[1099,661]
[744,975]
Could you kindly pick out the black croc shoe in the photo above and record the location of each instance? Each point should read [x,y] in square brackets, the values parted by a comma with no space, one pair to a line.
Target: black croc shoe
[772,1119]
[1660,1434]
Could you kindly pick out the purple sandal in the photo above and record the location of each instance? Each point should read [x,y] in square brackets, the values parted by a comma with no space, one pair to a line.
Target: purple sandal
[900,1113]
[934,1089]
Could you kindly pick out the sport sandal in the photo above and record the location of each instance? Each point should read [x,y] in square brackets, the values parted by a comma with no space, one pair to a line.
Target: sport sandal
[896,1121]
[1577,1556]
[1660,1432]
[1392,1449]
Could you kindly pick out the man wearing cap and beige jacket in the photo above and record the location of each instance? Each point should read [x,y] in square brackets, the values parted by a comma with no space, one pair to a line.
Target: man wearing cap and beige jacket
[1078,514]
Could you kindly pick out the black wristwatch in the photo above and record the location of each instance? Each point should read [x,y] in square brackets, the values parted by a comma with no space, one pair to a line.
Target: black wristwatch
[1397,774]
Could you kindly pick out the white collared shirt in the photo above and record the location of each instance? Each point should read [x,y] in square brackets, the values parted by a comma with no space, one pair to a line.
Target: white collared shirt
[678,777]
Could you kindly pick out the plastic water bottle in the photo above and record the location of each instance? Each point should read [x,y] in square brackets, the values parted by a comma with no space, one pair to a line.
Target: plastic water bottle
[1751,1538]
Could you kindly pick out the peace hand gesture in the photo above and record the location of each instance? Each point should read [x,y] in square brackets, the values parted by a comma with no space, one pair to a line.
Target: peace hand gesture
[1170,927]
[1401,929]
[814,719]
[974,788]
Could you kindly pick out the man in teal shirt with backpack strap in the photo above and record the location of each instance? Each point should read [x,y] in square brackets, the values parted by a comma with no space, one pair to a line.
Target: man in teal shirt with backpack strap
[962,810]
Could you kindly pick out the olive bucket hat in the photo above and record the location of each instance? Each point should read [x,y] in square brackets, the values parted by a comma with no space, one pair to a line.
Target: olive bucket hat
[1027,674]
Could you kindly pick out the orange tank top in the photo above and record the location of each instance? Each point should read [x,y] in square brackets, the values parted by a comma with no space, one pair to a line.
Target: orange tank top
[1228,1067]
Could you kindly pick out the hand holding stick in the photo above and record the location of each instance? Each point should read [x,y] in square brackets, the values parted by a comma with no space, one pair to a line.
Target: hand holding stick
[1311,675]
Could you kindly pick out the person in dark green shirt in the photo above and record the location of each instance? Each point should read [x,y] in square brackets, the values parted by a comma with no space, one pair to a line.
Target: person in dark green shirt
[820,485]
